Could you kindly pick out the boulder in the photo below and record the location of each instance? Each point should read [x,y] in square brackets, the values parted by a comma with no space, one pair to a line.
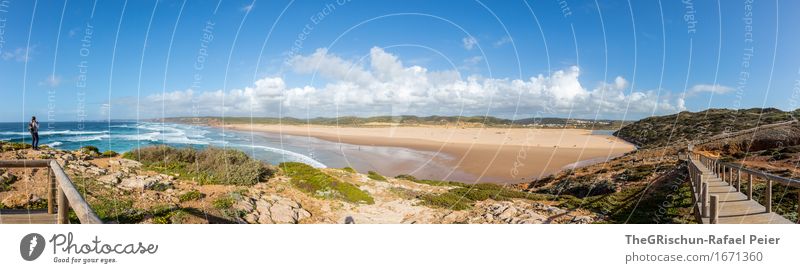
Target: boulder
[125,163]
[96,170]
[282,213]
[262,207]
[7,178]
[245,205]
[508,213]
[114,178]
[251,218]
[139,183]
[302,214]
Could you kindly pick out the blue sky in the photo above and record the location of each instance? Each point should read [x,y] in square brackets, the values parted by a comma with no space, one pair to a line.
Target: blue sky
[81,59]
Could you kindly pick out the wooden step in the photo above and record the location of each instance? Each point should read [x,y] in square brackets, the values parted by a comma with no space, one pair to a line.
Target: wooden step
[26,217]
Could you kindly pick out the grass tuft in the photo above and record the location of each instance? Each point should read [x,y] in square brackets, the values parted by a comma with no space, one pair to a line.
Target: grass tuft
[319,184]
[207,166]
[375,176]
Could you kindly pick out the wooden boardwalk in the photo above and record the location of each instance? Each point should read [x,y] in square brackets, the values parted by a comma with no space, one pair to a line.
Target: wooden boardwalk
[732,206]
[62,196]
[27,217]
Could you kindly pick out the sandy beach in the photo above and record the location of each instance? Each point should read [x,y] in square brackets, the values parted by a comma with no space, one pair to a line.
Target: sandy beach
[497,155]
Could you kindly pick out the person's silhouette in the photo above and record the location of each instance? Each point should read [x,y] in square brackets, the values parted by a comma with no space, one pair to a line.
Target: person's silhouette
[33,127]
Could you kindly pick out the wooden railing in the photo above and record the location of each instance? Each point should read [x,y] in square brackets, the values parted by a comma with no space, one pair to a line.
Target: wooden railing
[61,192]
[734,174]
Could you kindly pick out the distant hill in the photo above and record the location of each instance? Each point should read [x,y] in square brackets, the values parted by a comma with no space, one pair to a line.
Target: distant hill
[664,130]
[414,120]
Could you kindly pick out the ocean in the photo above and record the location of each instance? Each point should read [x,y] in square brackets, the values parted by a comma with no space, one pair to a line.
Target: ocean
[123,136]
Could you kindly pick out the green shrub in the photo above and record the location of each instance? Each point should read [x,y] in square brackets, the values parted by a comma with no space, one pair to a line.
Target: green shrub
[110,153]
[223,202]
[6,181]
[319,184]
[90,149]
[375,176]
[447,200]
[116,209]
[191,196]
[460,198]
[349,170]
[14,146]
[207,166]
[430,182]
[637,173]
[406,177]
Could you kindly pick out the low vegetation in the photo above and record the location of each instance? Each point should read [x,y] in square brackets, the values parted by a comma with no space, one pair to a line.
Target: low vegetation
[191,195]
[461,198]
[666,130]
[431,182]
[349,170]
[375,176]
[321,185]
[109,153]
[90,150]
[223,202]
[207,166]
[13,146]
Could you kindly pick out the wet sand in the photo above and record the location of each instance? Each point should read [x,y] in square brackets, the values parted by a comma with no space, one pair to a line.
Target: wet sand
[470,154]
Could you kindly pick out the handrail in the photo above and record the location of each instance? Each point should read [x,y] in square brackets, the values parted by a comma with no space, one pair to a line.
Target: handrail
[768,176]
[733,174]
[68,195]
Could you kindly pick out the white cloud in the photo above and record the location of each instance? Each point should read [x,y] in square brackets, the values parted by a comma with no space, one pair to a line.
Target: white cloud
[248,8]
[469,42]
[21,54]
[383,85]
[51,81]
[503,41]
[710,88]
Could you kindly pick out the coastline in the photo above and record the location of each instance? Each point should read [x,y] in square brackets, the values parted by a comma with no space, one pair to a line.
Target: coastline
[496,155]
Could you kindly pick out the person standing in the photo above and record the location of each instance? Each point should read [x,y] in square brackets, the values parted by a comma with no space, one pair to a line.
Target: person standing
[34,128]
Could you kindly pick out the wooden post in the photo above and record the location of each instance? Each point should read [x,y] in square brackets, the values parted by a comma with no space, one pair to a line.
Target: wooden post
[749,186]
[739,180]
[769,196]
[63,207]
[698,182]
[714,210]
[704,201]
[724,174]
[51,192]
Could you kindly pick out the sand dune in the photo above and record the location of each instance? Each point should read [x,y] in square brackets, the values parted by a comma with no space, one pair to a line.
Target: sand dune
[489,154]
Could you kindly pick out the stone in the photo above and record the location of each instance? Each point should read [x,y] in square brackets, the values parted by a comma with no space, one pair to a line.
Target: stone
[302,214]
[508,213]
[95,170]
[8,178]
[282,213]
[581,220]
[264,219]
[126,163]
[34,198]
[137,183]
[251,218]
[244,205]
[262,207]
